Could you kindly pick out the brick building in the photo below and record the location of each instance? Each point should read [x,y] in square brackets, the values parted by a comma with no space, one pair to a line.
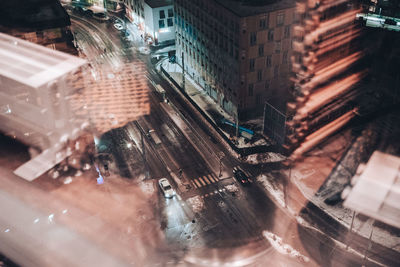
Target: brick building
[238,51]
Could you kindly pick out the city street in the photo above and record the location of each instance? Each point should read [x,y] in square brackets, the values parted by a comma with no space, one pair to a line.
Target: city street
[213,220]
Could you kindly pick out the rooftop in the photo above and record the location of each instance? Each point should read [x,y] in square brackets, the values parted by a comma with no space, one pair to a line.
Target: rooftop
[246,8]
[33,14]
[377,190]
[32,64]
[158,3]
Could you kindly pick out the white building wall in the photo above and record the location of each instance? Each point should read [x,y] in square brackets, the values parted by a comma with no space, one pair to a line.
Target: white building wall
[152,23]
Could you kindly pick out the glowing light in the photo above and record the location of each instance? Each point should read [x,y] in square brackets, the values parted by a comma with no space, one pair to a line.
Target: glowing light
[163,30]
[129,145]
[7,230]
[51,216]
[36,220]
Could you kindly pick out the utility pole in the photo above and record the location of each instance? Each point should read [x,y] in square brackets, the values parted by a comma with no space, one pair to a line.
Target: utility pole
[221,155]
[369,243]
[351,227]
[146,172]
[263,126]
[183,71]
[237,125]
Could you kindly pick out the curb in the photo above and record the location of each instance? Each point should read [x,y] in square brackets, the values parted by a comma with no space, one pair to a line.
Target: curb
[203,117]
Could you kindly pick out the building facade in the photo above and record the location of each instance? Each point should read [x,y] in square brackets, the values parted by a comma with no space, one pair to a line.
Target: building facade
[134,11]
[327,52]
[153,17]
[159,20]
[238,51]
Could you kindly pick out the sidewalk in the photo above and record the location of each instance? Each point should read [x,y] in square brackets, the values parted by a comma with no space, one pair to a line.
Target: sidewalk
[314,185]
[213,114]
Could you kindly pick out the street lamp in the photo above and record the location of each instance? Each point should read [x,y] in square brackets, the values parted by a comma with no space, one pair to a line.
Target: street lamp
[221,155]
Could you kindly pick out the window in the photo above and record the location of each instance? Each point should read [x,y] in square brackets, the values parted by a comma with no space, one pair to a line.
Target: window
[170,13]
[162,14]
[170,23]
[269,61]
[259,75]
[250,89]
[270,35]
[251,66]
[276,71]
[280,19]
[287,32]
[258,99]
[278,47]
[267,84]
[161,24]
[253,38]
[285,57]
[261,50]
[263,23]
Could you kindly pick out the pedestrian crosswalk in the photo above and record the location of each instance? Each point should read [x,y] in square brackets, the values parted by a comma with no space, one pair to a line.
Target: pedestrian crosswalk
[205,180]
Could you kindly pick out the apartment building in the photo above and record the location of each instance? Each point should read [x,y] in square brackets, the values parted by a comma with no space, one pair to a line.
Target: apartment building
[238,51]
[327,51]
[159,20]
[134,11]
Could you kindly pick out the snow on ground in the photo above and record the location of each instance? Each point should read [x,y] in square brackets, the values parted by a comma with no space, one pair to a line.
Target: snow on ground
[196,203]
[232,188]
[260,142]
[276,193]
[283,248]
[147,187]
[264,158]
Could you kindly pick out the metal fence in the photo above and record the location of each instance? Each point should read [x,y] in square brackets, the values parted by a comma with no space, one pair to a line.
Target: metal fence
[274,123]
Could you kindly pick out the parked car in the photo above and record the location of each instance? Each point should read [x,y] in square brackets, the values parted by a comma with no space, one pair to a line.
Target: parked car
[118,26]
[166,188]
[117,20]
[240,176]
[101,16]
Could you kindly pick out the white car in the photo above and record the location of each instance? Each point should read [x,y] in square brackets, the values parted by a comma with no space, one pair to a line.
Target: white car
[166,188]
[118,26]
[144,50]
